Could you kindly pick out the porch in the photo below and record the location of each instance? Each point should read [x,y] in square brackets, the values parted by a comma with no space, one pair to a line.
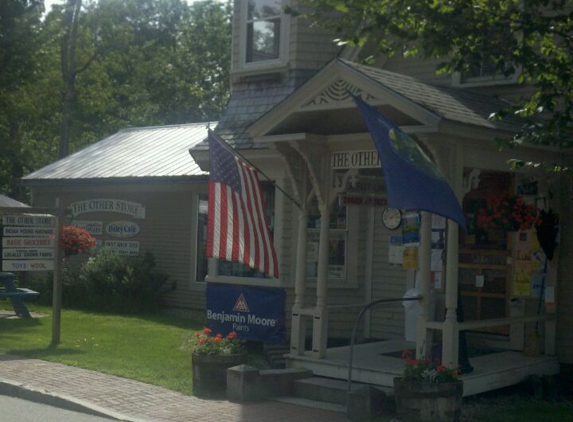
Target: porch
[377,363]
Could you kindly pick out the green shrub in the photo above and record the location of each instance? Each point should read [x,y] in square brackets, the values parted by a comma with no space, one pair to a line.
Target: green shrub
[109,282]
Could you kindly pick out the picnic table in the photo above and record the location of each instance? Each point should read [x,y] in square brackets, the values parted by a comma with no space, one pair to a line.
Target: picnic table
[15,294]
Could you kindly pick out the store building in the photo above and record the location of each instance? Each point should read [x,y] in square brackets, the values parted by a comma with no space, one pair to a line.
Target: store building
[339,248]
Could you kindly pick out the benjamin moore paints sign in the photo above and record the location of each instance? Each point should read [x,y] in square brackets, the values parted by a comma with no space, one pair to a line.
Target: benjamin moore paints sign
[254,313]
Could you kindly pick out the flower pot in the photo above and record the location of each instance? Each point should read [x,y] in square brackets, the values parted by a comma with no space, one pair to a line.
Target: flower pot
[422,401]
[210,372]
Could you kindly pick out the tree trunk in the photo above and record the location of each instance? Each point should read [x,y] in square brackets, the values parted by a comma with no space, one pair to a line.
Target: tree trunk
[69,70]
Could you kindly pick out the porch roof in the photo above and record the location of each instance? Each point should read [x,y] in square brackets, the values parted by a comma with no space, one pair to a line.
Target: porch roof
[255,101]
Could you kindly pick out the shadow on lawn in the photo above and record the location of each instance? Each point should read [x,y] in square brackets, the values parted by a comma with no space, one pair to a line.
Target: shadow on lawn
[18,325]
[46,352]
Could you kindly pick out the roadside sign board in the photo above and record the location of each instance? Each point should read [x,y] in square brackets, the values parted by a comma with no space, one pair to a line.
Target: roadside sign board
[29,220]
[31,265]
[28,242]
[29,231]
[41,253]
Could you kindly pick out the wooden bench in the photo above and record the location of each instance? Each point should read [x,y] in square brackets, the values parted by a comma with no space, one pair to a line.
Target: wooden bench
[15,294]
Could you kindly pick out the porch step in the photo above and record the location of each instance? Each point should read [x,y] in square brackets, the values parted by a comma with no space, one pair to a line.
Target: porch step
[322,390]
[274,355]
[299,401]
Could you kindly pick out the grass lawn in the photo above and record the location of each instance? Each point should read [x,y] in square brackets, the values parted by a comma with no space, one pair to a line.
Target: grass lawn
[145,348]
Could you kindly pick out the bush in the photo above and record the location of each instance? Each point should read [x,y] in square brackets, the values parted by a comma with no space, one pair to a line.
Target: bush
[109,282]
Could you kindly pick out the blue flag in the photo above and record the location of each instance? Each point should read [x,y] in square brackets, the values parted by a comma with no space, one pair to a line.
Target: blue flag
[413,182]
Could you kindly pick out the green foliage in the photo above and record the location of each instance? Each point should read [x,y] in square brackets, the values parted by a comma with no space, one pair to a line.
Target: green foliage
[533,37]
[109,282]
[139,63]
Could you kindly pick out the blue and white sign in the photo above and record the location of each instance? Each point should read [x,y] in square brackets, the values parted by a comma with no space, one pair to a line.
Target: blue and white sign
[254,313]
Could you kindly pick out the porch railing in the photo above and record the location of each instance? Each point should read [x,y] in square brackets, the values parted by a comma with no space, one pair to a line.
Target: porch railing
[366,308]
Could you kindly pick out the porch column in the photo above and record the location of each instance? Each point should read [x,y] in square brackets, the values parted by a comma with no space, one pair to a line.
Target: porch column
[298,322]
[423,337]
[320,318]
[450,332]
[450,328]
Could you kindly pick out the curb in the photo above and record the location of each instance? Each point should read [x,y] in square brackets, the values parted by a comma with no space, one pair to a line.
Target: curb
[21,391]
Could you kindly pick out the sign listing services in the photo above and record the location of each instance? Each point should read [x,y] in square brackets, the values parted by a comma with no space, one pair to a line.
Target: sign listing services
[254,313]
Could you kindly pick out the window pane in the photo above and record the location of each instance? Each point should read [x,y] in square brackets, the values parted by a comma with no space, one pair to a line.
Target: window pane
[201,271]
[263,40]
[336,254]
[260,9]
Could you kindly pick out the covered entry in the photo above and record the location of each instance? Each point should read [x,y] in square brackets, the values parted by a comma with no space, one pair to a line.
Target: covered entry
[347,248]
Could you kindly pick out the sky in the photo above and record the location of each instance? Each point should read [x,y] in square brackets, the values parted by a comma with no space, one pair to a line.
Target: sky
[48,3]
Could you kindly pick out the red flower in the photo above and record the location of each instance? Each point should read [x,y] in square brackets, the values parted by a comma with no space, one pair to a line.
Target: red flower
[441,368]
[206,330]
[232,335]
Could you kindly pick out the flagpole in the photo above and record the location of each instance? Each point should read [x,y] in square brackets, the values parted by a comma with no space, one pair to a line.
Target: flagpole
[242,157]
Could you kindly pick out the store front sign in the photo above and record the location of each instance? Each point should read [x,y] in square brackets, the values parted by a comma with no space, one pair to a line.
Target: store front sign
[254,313]
[122,247]
[346,199]
[95,228]
[355,160]
[108,205]
[122,229]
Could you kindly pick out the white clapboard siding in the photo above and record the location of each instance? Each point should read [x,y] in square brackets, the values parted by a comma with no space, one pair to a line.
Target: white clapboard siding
[387,321]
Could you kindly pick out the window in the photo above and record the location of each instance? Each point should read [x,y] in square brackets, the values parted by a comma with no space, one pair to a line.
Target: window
[263,30]
[483,69]
[202,263]
[226,268]
[337,242]
[263,33]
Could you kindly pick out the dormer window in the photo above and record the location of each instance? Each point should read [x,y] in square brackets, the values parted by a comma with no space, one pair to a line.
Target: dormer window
[263,30]
[263,35]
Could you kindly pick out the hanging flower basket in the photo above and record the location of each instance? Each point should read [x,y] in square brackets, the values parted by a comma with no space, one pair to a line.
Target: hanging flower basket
[74,240]
[507,213]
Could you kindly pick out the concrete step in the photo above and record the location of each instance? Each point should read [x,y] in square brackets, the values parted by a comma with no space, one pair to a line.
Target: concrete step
[322,389]
[299,401]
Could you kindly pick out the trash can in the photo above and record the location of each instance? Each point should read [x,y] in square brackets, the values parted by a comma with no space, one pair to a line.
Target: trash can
[412,310]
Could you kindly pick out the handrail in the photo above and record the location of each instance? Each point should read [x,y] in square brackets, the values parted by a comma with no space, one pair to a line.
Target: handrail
[360,315]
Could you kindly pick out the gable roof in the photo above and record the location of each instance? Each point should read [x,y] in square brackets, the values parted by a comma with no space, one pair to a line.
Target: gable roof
[250,100]
[268,101]
[157,152]
[456,104]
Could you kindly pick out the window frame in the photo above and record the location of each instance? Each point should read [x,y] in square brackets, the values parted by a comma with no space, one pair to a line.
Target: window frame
[281,61]
[213,275]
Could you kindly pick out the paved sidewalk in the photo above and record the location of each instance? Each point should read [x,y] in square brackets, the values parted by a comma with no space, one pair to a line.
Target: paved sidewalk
[124,399]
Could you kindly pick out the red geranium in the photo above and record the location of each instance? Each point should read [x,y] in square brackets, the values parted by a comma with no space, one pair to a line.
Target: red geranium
[74,240]
[507,212]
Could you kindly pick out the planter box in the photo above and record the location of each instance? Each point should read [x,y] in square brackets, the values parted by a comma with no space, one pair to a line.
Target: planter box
[210,372]
[418,401]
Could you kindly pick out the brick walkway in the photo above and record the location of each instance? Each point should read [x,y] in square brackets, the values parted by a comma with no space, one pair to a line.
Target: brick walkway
[135,401]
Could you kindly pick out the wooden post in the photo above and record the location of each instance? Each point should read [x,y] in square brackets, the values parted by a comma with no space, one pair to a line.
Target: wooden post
[298,322]
[450,333]
[57,284]
[423,346]
[320,323]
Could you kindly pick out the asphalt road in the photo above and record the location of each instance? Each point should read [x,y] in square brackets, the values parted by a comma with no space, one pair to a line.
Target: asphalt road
[17,410]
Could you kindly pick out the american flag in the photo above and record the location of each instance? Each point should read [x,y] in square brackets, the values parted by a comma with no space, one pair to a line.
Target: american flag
[237,228]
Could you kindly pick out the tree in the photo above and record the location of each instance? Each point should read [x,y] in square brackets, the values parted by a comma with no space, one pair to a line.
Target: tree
[534,38]
[19,20]
[137,63]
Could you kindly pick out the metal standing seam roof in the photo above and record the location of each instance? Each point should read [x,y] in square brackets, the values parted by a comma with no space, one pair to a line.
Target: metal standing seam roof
[161,151]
